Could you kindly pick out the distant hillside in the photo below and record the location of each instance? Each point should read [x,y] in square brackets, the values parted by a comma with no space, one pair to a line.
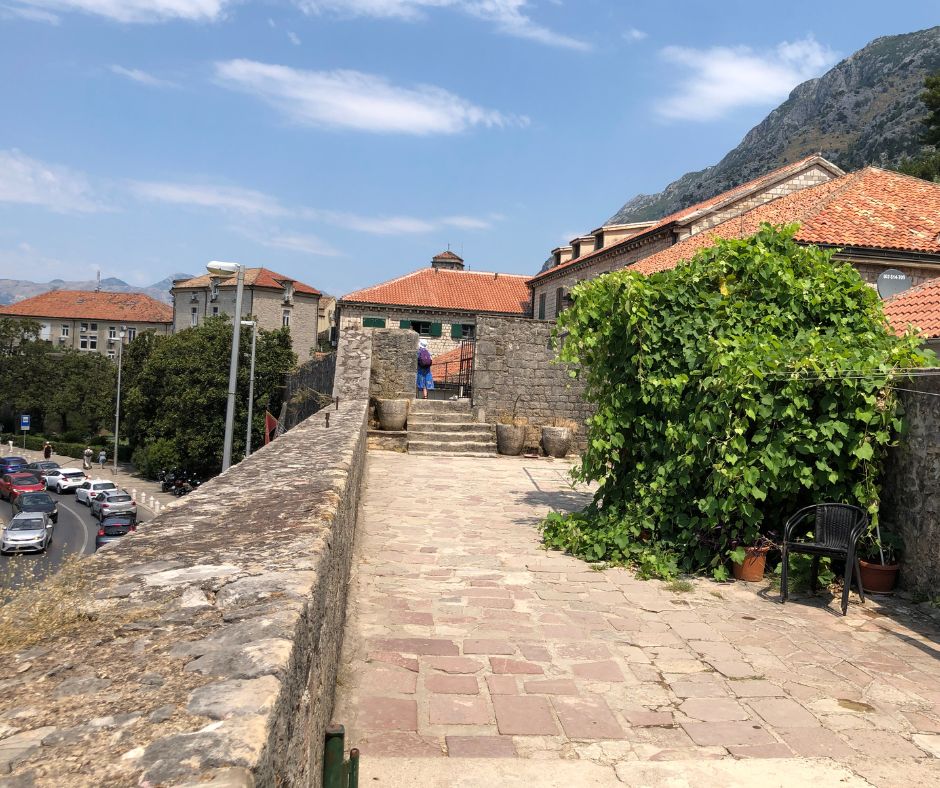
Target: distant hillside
[865,110]
[12,290]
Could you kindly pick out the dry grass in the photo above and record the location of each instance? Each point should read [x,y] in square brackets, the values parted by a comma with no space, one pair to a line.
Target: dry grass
[43,610]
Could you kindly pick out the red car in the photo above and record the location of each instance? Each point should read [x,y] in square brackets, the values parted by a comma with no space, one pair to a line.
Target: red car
[12,484]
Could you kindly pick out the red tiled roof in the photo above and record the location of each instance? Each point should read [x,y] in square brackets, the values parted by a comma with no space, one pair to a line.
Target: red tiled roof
[701,207]
[254,277]
[918,307]
[435,288]
[445,367]
[448,255]
[89,305]
[869,209]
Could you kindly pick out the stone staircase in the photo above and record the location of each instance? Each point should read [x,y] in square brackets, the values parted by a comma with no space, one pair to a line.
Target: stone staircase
[447,427]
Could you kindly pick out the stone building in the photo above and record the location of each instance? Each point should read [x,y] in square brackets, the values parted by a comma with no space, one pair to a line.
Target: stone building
[274,300]
[441,302]
[613,247]
[91,321]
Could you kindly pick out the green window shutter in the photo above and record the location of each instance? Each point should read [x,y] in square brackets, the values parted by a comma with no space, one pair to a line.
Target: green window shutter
[404,324]
[373,322]
[456,330]
[435,329]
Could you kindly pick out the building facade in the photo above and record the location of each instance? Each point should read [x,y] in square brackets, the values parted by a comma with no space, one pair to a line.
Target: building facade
[441,302]
[275,301]
[92,321]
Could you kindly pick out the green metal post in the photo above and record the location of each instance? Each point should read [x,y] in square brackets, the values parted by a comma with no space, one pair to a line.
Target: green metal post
[354,768]
[333,767]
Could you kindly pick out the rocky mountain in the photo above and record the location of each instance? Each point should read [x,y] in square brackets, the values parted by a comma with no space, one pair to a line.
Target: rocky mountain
[12,290]
[865,110]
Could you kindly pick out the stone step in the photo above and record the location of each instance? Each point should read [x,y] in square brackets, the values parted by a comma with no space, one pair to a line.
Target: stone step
[478,435]
[440,418]
[440,406]
[448,425]
[446,447]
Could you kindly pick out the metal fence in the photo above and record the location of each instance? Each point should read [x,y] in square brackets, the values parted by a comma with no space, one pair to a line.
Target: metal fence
[307,390]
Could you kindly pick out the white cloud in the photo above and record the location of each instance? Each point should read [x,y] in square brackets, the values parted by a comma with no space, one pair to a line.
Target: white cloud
[225,198]
[722,79]
[136,75]
[135,10]
[354,100]
[28,181]
[30,14]
[293,38]
[509,16]
[395,225]
[633,35]
[307,244]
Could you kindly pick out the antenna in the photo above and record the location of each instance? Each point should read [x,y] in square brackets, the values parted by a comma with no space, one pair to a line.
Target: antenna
[98,282]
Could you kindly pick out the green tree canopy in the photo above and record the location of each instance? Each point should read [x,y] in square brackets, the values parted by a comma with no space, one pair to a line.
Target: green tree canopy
[176,393]
[728,391]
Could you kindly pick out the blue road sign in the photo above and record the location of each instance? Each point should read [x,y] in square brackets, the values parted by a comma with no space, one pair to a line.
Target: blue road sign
[24,422]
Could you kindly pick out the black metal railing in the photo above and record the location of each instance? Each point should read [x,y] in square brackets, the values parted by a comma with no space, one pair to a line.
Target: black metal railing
[456,374]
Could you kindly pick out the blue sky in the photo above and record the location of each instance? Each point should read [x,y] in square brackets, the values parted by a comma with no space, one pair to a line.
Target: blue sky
[344,142]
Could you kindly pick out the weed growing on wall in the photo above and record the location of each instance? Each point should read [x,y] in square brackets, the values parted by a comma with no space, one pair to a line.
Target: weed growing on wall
[729,392]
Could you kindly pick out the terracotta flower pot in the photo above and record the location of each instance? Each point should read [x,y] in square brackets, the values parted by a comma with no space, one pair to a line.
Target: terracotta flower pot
[509,439]
[555,441]
[752,569]
[392,414]
[877,578]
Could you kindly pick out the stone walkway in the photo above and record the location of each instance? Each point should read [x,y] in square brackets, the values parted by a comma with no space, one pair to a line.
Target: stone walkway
[465,639]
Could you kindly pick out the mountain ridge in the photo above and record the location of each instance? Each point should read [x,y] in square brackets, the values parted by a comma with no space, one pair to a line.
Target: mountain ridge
[13,290]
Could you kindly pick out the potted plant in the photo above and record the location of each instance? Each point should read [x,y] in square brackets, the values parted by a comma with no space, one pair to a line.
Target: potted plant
[748,562]
[392,414]
[510,434]
[878,560]
[556,437]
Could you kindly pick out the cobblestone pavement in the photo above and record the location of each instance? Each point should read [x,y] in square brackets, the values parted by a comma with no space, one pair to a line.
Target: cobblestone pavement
[465,639]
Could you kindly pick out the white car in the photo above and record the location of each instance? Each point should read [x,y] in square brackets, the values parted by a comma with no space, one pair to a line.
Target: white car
[65,479]
[90,488]
[27,531]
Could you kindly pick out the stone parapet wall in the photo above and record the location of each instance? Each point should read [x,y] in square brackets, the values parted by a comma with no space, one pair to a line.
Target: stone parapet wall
[209,649]
[515,370]
[910,499]
[394,364]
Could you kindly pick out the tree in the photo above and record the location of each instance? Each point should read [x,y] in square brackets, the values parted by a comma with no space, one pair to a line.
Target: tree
[728,391]
[177,392]
[927,164]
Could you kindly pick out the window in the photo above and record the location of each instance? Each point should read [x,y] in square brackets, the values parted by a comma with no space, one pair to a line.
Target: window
[215,311]
[194,316]
[462,331]
[88,336]
[559,298]
[542,306]
[131,334]
[598,241]
[112,332]
[285,318]
[65,329]
[423,327]
[373,322]
[214,289]
[84,328]
[111,355]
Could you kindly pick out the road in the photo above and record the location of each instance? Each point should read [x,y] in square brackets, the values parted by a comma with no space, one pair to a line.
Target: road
[74,534]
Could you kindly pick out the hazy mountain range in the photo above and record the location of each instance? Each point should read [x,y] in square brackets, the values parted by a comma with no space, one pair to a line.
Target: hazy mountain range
[12,290]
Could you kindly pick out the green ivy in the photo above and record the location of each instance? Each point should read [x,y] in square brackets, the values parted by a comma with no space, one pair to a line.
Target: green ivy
[728,392]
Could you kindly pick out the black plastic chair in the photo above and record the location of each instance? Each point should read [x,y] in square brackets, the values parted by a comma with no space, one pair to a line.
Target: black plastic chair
[836,530]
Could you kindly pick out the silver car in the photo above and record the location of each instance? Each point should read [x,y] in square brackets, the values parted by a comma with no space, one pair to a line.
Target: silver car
[90,488]
[113,502]
[27,532]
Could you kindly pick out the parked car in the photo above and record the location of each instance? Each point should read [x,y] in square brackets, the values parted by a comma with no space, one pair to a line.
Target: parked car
[12,464]
[26,532]
[89,489]
[42,468]
[64,479]
[12,484]
[113,527]
[113,502]
[37,502]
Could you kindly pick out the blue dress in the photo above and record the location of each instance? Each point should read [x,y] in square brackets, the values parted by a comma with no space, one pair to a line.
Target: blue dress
[425,378]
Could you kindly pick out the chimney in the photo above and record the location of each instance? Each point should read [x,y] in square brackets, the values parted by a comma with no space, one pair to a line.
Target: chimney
[447,261]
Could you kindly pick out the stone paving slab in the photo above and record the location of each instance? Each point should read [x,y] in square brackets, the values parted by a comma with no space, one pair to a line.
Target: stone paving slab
[466,639]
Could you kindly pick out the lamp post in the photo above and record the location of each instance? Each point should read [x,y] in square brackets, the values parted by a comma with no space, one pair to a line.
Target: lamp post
[117,407]
[251,382]
[227,269]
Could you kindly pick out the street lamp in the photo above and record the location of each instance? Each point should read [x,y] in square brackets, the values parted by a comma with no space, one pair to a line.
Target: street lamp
[251,382]
[227,269]
[117,407]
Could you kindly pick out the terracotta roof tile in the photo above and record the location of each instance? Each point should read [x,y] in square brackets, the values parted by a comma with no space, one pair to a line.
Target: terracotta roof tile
[870,209]
[435,288]
[254,277]
[448,255]
[445,367]
[700,207]
[89,305]
[918,307]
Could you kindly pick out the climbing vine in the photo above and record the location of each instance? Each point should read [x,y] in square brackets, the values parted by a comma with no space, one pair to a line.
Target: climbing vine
[728,392]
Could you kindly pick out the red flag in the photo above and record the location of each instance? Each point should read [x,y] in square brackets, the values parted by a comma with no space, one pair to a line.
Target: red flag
[270,425]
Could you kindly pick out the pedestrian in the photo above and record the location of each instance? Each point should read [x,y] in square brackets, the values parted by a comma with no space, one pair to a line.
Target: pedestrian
[47,450]
[425,378]
[102,458]
[86,458]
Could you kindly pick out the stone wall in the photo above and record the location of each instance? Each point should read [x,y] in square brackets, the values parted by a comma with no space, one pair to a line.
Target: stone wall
[911,490]
[212,637]
[514,370]
[394,364]
[352,315]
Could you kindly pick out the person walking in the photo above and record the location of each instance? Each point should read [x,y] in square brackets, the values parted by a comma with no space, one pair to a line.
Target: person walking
[47,450]
[86,458]
[425,378]
[102,458]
